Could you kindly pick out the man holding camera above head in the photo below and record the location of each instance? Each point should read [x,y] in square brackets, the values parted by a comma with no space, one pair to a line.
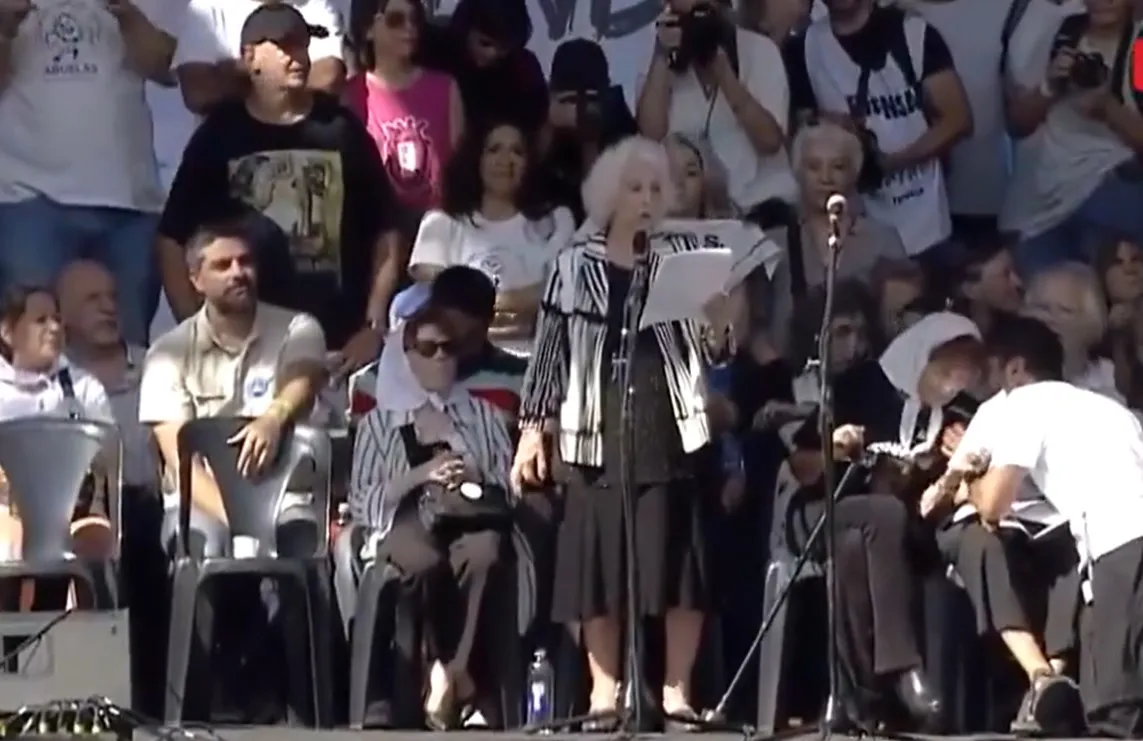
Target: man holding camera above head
[889,76]
[726,85]
[1081,175]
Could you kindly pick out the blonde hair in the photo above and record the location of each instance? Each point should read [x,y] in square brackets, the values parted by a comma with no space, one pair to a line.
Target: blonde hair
[602,186]
[1092,303]
[716,203]
[831,136]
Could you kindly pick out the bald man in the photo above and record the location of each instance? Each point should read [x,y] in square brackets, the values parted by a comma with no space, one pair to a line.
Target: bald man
[95,343]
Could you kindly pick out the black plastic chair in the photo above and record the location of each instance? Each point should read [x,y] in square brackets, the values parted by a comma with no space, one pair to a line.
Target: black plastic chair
[252,509]
[46,460]
[380,616]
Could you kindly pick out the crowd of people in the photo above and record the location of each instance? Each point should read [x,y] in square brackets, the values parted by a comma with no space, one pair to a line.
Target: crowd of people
[363,218]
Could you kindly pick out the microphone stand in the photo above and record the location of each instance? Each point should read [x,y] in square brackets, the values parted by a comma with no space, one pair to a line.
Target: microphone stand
[835,718]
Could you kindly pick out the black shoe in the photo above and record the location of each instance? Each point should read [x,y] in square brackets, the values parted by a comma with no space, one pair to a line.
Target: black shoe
[1051,707]
[920,700]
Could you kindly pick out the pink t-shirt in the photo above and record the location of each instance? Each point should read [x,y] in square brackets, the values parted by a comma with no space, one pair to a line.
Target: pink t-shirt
[412,129]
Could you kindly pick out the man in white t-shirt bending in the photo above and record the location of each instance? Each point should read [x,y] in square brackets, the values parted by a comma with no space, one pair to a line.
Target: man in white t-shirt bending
[1084,452]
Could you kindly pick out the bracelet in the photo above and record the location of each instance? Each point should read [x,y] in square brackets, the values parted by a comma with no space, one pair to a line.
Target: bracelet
[279,410]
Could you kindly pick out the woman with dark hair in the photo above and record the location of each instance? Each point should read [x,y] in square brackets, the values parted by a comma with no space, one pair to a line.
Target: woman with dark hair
[37,380]
[415,115]
[427,432]
[483,47]
[495,218]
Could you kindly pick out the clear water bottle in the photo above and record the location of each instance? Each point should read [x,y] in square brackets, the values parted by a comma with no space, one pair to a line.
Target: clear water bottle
[541,689]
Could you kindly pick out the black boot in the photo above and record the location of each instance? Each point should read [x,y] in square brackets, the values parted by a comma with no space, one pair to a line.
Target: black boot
[920,700]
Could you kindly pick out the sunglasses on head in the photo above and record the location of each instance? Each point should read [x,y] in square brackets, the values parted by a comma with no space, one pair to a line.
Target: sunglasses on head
[432,348]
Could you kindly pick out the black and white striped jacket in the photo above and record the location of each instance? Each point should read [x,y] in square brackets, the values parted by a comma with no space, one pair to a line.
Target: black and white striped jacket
[380,475]
[563,380]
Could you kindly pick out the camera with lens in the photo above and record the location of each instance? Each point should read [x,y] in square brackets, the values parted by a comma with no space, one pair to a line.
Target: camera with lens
[702,30]
[1089,71]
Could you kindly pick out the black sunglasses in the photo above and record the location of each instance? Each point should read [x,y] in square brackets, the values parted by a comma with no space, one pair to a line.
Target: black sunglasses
[431,348]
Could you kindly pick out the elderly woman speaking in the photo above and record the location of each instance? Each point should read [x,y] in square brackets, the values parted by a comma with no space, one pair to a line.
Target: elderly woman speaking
[569,388]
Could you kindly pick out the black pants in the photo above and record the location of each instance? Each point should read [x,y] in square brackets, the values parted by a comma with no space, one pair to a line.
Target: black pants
[1016,583]
[876,581]
[1111,676]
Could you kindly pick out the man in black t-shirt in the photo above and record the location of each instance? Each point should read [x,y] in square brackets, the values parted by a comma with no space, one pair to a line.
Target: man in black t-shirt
[305,167]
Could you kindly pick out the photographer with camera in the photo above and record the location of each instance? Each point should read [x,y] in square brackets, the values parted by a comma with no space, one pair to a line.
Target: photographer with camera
[727,86]
[586,115]
[888,76]
[1081,176]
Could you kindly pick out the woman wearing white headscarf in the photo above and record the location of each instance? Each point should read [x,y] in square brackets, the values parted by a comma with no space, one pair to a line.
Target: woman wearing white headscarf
[422,414]
[881,544]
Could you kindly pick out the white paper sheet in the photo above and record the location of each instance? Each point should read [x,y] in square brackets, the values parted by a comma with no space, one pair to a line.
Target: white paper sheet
[684,283]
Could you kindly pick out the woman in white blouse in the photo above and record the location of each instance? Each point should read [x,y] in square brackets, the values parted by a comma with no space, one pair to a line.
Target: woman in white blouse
[447,574]
[496,218]
[37,380]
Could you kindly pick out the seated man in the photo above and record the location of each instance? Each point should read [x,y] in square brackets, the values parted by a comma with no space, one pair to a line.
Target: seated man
[95,343]
[234,357]
[1084,453]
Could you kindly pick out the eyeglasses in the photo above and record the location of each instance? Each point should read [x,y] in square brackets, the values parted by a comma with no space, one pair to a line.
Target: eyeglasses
[432,348]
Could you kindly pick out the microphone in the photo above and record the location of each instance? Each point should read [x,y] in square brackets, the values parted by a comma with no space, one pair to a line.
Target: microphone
[835,209]
[639,244]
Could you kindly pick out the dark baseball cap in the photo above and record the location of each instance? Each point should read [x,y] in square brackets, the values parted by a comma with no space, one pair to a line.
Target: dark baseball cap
[579,64]
[276,22]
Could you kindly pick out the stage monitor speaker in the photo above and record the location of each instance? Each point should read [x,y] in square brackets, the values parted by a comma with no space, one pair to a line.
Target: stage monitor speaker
[85,654]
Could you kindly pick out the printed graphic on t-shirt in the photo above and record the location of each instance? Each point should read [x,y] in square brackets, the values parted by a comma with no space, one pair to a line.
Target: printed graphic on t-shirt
[70,35]
[506,268]
[406,150]
[302,191]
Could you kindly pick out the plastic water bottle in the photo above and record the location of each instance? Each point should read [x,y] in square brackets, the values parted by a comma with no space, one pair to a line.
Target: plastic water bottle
[541,681]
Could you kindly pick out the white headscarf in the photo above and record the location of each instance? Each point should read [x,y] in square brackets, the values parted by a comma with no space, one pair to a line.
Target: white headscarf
[398,389]
[905,359]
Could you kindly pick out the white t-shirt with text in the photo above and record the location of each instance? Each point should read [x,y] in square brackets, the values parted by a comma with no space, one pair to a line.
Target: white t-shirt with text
[74,122]
[513,253]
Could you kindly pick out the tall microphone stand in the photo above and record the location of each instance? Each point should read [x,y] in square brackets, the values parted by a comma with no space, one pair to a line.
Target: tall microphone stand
[835,718]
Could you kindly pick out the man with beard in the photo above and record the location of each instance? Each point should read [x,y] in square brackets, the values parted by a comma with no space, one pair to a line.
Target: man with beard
[987,282]
[234,357]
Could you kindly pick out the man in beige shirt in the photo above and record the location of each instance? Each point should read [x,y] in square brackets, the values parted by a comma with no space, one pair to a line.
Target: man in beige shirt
[234,357]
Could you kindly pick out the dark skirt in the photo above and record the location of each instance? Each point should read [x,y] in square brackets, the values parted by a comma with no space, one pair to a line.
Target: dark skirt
[672,565]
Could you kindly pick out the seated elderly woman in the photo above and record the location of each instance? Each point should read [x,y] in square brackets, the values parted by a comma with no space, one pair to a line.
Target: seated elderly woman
[495,217]
[883,548]
[427,443]
[37,379]
[827,160]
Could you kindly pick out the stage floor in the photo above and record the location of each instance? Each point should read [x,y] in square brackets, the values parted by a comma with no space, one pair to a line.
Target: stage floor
[301,734]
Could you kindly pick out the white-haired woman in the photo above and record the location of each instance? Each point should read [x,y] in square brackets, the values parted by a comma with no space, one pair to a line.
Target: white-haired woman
[570,391]
[1068,298]
[827,159]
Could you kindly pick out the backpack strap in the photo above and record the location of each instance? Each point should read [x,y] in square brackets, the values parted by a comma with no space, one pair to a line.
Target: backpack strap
[1016,13]
[68,388]
[907,47]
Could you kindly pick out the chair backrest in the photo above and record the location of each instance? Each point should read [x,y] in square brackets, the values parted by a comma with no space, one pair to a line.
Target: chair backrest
[253,503]
[46,460]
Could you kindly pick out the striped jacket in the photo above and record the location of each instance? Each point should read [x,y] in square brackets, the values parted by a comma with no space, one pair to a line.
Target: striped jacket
[563,380]
[380,476]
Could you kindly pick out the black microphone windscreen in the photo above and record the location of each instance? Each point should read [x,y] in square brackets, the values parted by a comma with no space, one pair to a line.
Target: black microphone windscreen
[771,214]
[639,244]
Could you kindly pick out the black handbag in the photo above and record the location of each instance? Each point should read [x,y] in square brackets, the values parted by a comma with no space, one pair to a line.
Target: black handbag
[472,505]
